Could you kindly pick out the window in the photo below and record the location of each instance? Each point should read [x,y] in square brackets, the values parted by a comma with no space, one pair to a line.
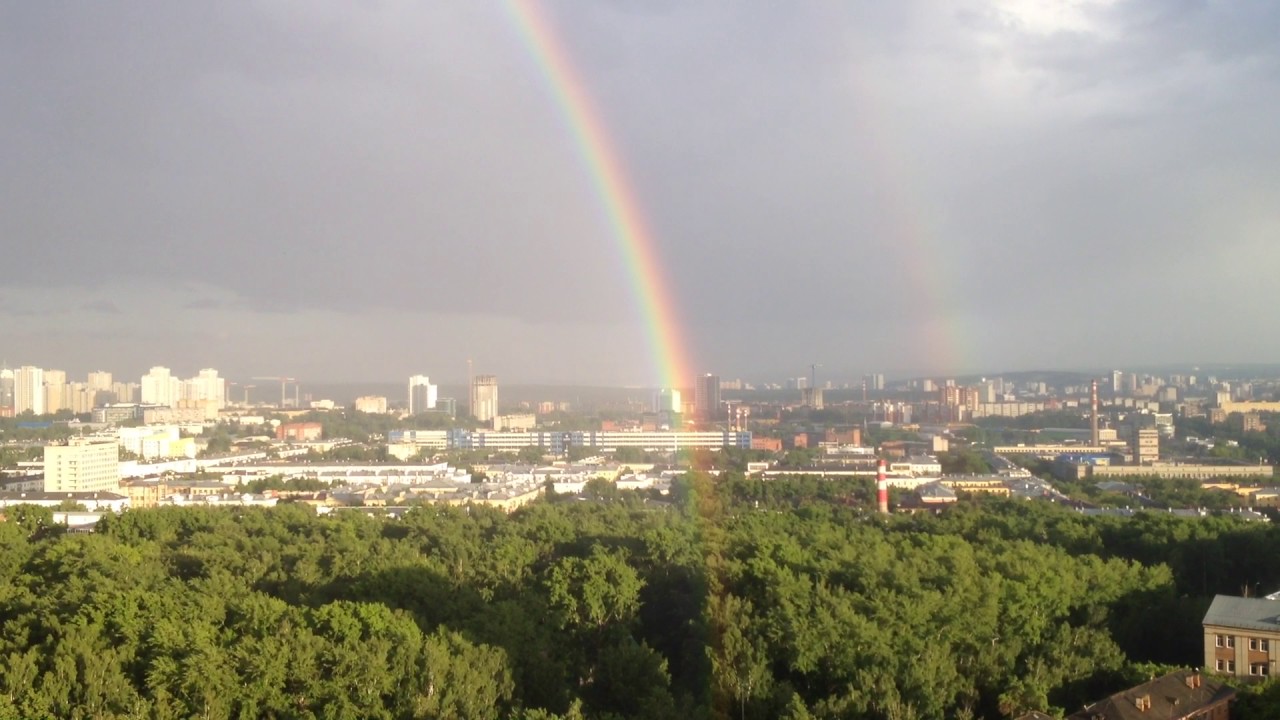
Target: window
[1231,666]
[1253,643]
[1217,640]
[1231,641]
[1218,667]
[1264,645]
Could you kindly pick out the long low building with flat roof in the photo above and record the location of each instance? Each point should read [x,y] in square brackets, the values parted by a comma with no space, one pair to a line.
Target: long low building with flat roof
[1178,471]
[1049,451]
[558,442]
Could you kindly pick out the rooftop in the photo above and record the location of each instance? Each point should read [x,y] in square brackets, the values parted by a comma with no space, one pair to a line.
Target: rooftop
[1180,694]
[1242,612]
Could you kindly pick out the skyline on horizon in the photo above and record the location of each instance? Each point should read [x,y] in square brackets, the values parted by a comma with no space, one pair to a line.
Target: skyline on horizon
[305,190]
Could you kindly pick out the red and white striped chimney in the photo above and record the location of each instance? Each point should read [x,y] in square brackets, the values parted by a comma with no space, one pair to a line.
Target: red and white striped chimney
[882,487]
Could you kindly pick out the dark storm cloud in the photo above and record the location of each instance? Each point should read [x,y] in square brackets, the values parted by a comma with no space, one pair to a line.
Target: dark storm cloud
[833,182]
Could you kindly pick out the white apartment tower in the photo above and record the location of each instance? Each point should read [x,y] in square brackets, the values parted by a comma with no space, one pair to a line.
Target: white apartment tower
[206,387]
[422,394]
[82,465]
[484,397]
[28,390]
[160,387]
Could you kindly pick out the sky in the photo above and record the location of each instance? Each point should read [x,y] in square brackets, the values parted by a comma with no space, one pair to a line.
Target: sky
[341,191]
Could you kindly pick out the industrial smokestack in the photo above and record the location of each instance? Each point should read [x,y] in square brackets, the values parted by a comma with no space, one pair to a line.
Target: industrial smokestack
[882,488]
[1093,416]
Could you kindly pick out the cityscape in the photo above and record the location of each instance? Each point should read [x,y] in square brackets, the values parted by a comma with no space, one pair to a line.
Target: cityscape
[547,360]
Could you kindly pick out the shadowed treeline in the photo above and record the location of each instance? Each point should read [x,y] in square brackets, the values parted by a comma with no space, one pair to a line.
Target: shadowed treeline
[738,599]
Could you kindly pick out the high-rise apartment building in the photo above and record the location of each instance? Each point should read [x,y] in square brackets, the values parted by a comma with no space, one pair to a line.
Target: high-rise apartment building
[206,388]
[6,392]
[706,397]
[160,387]
[56,393]
[422,394]
[125,392]
[99,381]
[484,397]
[28,390]
[82,465]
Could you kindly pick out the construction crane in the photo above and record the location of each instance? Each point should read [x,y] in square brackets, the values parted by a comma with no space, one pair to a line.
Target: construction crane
[284,382]
[246,390]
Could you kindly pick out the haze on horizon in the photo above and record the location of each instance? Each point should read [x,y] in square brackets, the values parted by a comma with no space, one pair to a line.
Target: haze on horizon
[343,191]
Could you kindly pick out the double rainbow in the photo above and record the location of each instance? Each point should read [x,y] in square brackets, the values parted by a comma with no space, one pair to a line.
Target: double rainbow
[617,198]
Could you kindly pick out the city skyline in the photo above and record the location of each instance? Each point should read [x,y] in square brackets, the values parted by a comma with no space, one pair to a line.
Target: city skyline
[942,192]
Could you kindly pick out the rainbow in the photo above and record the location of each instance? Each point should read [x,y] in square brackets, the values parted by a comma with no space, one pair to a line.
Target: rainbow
[617,198]
[945,335]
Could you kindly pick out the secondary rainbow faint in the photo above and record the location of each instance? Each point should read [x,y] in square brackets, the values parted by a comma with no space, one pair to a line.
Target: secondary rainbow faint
[618,200]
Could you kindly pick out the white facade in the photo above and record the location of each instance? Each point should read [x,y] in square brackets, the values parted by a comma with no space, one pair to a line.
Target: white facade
[160,387]
[422,394]
[82,465]
[373,404]
[28,390]
[151,442]
[667,400]
[206,387]
[484,397]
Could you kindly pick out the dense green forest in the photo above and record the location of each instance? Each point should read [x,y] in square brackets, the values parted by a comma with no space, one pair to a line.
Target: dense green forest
[738,599]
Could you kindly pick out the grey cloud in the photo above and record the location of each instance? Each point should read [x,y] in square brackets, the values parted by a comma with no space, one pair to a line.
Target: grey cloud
[843,179]
[105,307]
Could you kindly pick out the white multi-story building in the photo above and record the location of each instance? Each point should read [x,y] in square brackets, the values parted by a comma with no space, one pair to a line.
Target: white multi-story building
[484,397]
[422,394]
[372,404]
[160,387]
[28,390]
[82,465]
[205,387]
[667,400]
[152,442]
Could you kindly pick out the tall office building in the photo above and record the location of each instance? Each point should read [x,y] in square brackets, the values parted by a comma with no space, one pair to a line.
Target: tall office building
[82,465]
[6,392]
[484,397]
[706,397]
[56,393]
[28,390]
[1145,446]
[160,387]
[422,394]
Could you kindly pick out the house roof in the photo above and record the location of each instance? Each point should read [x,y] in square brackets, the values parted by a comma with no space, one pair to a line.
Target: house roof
[1034,715]
[1242,612]
[1172,697]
